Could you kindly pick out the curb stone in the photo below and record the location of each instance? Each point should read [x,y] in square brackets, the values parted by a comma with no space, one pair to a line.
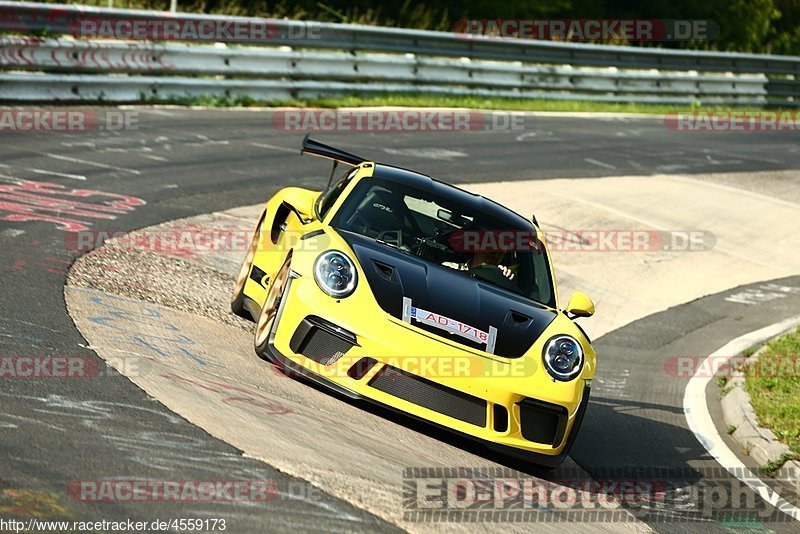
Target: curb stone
[757,442]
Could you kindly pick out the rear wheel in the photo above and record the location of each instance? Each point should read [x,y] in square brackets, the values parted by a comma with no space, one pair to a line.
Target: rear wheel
[266,319]
[237,298]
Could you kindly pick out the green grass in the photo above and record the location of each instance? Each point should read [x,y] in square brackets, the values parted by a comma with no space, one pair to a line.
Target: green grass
[774,388]
[473,102]
[774,467]
[431,101]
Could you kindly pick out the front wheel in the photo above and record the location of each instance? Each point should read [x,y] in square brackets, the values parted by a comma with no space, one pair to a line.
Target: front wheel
[266,319]
[237,298]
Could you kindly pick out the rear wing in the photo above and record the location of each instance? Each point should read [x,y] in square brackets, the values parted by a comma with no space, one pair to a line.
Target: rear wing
[316,148]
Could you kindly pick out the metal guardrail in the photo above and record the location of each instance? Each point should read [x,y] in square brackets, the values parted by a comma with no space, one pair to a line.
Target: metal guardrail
[116,89]
[335,73]
[317,59]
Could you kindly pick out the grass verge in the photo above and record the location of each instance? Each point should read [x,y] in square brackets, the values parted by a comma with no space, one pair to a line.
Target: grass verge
[775,389]
[431,101]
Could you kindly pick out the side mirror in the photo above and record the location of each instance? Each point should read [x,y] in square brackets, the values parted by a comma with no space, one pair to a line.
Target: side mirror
[301,202]
[580,305]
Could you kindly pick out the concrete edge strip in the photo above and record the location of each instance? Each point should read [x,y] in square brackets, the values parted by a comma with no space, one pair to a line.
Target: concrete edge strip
[695,409]
[738,412]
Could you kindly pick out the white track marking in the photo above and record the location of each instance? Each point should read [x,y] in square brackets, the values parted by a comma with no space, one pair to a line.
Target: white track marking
[275,147]
[732,189]
[91,163]
[59,174]
[599,163]
[12,232]
[53,173]
[203,140]
[154,111]
[540,136]
[695,408]
[442,154]
[671,168]
[761,294]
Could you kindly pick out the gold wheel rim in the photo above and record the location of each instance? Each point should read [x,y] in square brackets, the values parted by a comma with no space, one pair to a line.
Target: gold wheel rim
[270,308]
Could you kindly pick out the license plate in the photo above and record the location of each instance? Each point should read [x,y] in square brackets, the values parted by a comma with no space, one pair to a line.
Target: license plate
[448,324]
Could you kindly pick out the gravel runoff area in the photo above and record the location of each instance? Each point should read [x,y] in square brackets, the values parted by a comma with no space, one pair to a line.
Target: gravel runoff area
[158,278]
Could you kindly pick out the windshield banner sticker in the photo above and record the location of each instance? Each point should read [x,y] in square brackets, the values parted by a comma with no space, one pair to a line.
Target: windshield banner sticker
[449,325]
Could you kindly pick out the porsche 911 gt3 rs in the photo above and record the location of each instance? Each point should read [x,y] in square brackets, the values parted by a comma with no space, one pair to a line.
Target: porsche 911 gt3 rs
[399,289]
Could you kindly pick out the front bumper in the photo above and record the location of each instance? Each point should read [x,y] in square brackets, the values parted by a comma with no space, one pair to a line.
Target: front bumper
[512,405]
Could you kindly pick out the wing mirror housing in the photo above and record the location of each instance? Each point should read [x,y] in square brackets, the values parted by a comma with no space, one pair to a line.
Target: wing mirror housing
[580,305]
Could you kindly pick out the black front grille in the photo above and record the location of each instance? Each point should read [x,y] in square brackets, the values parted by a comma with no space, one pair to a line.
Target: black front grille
[428,394]
[321,341]
[542,422]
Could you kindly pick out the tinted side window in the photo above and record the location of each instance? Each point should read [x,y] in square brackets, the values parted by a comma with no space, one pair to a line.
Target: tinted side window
[329,197]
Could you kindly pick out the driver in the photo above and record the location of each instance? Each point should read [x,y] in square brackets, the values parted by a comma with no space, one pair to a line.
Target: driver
[492,258]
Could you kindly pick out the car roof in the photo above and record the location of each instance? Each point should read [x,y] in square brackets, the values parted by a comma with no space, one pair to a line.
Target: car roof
[470,200]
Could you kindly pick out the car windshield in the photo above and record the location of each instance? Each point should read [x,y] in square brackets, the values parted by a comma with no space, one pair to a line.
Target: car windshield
[442,231]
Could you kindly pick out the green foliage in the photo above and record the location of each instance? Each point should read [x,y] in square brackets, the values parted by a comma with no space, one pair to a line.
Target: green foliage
[770,26]
[772,468]
[427,101]
[775,390]
[745,25]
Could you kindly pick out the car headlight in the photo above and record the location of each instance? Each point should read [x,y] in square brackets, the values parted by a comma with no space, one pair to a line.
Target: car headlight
[563,357]
[335,274]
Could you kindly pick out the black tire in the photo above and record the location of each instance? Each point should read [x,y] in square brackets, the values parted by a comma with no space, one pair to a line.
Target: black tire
[238,297]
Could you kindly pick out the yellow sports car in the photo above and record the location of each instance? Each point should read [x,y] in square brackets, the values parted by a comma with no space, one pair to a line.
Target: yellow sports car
[393,287]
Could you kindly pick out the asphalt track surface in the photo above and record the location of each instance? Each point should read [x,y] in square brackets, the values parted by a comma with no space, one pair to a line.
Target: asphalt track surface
[185,162]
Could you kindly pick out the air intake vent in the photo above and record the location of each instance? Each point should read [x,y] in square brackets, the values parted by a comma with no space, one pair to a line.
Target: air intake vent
[499,418]
[321,341]
[542,422]
[431,395]
[360,369]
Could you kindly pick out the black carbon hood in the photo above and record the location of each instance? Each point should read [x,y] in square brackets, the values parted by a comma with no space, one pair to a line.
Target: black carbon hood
[392,275]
